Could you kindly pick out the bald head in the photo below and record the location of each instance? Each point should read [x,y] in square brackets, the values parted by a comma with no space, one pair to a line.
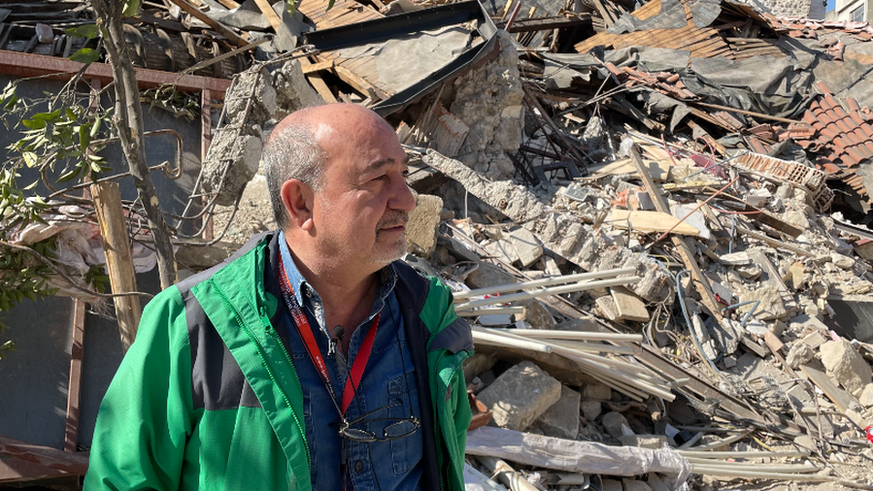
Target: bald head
[303,144]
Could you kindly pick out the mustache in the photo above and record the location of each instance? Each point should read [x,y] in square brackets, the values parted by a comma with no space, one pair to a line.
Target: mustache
[393,219]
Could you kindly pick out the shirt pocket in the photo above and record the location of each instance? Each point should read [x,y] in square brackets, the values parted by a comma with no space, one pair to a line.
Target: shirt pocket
[406,452]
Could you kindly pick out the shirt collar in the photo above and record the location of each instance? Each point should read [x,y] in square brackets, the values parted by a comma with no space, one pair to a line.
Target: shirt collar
[387,278]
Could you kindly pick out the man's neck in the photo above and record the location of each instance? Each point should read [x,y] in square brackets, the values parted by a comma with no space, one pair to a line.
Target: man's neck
[347,297]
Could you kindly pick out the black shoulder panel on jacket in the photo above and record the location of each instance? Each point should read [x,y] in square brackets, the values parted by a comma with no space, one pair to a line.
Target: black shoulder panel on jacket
[216,379]
[456,337]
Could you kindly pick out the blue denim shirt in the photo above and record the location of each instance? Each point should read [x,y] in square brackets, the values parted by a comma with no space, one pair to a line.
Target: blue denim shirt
[391,465]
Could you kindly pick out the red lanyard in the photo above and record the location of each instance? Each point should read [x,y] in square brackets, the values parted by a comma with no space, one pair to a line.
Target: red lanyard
[305,331]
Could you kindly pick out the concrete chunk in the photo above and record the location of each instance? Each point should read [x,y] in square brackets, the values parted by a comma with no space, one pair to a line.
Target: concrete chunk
[520,395]
[771,306]
[799,354]
[611,485]
[527,247]
[814,339]
[562,419]
[597,391]
[845,365]
[591,409]
[634,485]
[654,442]
[422,224]
[537,315]
[866,396]
[612,422]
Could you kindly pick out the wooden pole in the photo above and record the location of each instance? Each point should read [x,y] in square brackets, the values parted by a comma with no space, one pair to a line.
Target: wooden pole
[116,244]
[71,438]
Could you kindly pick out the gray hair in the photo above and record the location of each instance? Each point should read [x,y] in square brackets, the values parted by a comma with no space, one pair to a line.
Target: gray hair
[291,153]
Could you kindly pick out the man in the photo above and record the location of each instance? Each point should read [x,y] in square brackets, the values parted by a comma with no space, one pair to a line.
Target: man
[312,358]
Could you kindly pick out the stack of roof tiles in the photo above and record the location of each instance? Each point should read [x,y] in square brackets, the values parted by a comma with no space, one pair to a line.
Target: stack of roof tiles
[843,132]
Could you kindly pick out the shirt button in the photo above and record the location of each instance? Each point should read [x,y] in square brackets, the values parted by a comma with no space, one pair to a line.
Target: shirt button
[359,466]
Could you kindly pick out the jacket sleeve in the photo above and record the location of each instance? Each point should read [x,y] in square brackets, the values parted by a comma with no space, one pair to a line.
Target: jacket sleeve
[147,413]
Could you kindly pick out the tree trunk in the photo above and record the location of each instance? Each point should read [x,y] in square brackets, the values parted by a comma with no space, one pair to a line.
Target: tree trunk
[129,123]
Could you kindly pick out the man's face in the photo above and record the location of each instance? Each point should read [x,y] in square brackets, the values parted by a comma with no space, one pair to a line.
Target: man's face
[361,209]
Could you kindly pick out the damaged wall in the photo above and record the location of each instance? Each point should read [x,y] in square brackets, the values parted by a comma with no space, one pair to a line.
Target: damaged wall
[489,100]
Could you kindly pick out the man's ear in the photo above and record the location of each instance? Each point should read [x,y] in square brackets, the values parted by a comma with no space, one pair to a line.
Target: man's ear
[298,197]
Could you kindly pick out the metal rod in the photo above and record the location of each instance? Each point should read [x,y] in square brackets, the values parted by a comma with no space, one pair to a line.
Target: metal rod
[491,311]
[548,291]
[492,339]
[580,335]
[557,280]
[743,455]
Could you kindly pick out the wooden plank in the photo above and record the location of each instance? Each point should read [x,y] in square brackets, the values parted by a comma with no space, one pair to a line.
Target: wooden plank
[116,244]
[840,397]
[73,463]
[218,26]
[701,284]
[778,244]
[360,84]
[650,221]
[269,13]
[71,438]
[317,67]
[628,305]
[17,470]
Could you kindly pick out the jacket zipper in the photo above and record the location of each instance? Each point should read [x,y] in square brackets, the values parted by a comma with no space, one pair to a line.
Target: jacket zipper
[260,351]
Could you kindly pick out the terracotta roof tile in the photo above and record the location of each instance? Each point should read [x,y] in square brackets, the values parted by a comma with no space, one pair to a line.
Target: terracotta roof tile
[853,104]
[823,88]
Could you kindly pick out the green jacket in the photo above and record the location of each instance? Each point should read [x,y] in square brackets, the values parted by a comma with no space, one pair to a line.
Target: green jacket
[207,397]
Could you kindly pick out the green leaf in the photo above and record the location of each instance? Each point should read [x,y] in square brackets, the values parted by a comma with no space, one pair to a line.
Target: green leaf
[291,6]
[30,159]
[34,124]
[95,128]
[11,103]
[69,175]
[85,55]
[84,136]
[52,116]
[90,31]
[131,8]
[30,186]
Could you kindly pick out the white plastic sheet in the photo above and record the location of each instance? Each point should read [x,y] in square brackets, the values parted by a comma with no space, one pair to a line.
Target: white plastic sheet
[576,456]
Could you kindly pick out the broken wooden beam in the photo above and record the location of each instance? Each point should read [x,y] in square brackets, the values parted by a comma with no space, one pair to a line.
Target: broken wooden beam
[116,244]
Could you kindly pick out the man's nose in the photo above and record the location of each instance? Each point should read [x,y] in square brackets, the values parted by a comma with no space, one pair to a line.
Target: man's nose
[402,198]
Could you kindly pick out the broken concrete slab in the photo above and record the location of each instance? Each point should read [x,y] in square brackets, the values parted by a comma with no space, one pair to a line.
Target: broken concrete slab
[629,306]
[770,307]
[487,275]
[520,395]
[527,247]
[813,339]
[561,420]
[845,365]
[561,232]
[422,225]
[735,259]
